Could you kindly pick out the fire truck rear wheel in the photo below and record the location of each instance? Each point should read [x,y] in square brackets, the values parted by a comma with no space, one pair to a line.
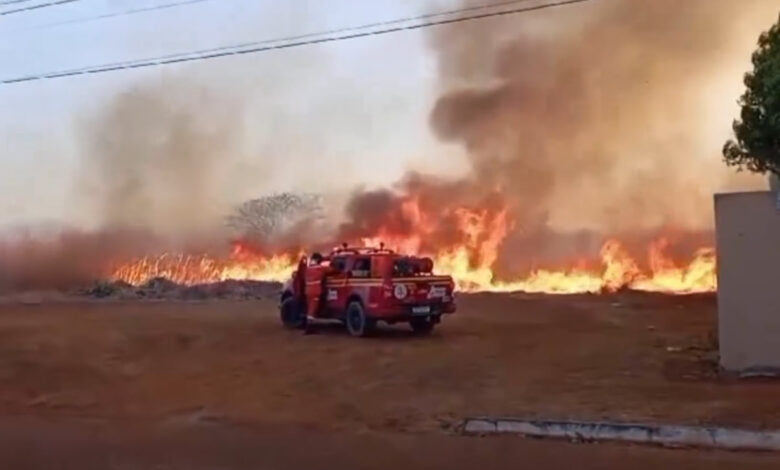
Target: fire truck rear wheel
[292,314]
[422,325]
[358,323]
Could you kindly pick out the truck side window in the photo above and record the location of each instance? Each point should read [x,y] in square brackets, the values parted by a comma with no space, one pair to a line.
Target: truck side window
[361,267]
[339,264]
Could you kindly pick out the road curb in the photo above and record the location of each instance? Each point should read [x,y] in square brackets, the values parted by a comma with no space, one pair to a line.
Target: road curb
[664,435]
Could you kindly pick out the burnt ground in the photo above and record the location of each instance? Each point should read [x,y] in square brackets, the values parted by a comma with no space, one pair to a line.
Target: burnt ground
[109,374]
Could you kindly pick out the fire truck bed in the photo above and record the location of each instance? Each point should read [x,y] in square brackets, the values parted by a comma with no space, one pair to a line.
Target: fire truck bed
[626,356]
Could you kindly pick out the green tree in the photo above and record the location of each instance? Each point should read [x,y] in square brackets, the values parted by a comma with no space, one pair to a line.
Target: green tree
[757,144]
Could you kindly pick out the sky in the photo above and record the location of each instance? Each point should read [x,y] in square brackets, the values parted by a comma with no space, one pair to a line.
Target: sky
[356,108]
[325,118]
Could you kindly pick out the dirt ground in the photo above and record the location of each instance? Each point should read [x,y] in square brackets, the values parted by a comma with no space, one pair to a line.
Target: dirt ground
[151,365]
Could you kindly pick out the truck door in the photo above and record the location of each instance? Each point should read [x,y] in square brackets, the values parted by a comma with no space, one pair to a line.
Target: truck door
[360,278]
[315,281]
[335,287]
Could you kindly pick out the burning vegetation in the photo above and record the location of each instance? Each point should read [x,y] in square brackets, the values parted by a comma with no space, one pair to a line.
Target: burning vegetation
[618,271]
[575,124]
[588,134]
[465,244]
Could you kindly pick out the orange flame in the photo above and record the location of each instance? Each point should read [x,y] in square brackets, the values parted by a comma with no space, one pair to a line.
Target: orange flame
[619,270]
[470,261]
[204,269]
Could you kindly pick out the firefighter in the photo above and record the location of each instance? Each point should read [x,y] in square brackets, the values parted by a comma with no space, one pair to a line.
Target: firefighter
[315,289]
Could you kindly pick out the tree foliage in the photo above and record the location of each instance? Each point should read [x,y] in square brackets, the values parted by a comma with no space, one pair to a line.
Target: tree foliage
[757,144]
[268,216]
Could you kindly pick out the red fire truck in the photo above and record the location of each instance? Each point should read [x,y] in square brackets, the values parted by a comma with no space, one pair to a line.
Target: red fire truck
[362,286]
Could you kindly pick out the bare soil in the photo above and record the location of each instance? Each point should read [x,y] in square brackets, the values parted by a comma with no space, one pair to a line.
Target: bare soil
[229,365]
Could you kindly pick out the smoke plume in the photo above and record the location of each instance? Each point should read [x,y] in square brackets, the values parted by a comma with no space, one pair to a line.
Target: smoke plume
[158,173]
[584,121]
[162,157]
[65,259]
[579,122]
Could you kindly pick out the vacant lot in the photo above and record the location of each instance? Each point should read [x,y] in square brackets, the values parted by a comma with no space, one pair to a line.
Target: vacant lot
[627,357]
[622,357]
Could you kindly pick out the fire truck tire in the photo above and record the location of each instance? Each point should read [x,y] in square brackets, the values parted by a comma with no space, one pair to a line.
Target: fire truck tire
[358,323]
[292,314]
[422,325]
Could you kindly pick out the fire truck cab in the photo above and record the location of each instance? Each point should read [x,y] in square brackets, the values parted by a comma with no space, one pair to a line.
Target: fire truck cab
[362,286]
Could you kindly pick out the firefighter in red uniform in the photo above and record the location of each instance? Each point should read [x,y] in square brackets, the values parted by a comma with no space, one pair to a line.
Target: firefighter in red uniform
[315,284]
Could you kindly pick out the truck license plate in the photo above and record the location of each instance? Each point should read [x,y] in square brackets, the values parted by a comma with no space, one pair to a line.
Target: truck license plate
[421,310]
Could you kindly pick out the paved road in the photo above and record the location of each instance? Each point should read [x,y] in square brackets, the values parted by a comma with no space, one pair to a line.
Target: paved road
[59,445]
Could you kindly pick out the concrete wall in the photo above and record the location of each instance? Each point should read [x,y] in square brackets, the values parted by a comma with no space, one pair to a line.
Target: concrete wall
[774,182]
[748,244]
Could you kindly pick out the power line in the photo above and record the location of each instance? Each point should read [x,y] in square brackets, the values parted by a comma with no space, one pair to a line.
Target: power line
[36,7]
[111,15]
[128,63]
[287,43]
[383,23]
[9,2]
